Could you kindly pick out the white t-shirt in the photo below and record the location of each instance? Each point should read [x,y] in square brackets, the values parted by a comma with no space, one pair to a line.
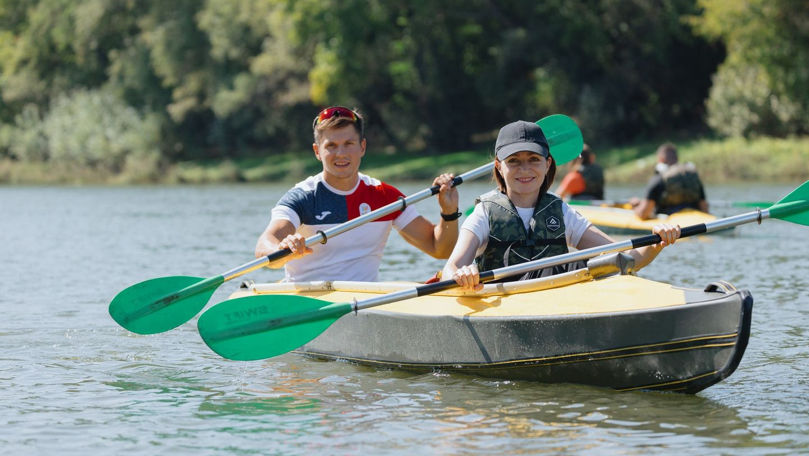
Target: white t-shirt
[478,223]
[313,205]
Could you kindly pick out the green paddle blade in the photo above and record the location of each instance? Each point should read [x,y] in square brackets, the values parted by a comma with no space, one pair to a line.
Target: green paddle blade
[161,304]
[793,207]
[564,137]
[258,327]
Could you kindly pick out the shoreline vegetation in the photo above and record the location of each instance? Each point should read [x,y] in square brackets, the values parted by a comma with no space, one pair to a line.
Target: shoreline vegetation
[731,160]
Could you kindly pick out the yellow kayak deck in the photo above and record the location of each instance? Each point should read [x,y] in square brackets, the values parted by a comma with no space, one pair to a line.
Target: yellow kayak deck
[545,296]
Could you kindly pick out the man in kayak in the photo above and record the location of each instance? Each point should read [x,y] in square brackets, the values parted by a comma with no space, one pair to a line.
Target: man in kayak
[585,181]
[674,187]
[520,221]
[341,193]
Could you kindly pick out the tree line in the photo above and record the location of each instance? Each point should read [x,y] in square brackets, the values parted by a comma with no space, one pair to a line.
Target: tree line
[130,85]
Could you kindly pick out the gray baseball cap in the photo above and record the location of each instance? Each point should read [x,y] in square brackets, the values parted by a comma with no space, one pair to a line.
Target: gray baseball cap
[519,136]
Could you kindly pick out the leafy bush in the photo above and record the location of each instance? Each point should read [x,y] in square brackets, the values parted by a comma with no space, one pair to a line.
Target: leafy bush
[761,87]
[89,129]
[25,140]
[742,102]
[97,130]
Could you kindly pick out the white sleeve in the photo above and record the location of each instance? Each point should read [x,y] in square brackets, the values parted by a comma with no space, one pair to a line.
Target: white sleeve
[575,225]
[285,213]
[478,223]
[408,215]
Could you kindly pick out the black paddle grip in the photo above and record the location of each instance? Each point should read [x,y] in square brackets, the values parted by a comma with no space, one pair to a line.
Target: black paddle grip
[431,288]
[456,181]
[278,254]
[693,229]
[652,239]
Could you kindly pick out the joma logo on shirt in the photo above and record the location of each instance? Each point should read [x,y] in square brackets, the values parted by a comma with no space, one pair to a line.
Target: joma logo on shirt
[322,215]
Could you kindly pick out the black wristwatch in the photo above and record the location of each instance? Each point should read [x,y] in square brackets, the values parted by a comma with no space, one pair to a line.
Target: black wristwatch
[451,217]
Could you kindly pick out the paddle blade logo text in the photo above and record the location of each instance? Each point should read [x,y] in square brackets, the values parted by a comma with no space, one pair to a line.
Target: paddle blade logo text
[244,314]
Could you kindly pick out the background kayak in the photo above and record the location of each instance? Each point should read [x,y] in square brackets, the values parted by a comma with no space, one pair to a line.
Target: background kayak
[620,220]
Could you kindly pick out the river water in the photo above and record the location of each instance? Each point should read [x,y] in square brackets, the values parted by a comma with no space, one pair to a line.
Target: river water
[73,382]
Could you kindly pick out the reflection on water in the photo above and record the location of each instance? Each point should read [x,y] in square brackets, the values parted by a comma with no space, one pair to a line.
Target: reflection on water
[223,406]
[73,382]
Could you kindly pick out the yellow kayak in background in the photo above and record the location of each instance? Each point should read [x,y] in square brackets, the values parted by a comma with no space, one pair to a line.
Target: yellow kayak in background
[620,219]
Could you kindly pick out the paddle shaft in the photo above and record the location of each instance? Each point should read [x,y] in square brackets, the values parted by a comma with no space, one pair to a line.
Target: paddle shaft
[717,203]
[323,236]
[651,239]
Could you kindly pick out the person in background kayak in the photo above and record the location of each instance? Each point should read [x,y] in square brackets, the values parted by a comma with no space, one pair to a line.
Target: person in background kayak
[521,221]
[341,193]
[585,180]
[674,187]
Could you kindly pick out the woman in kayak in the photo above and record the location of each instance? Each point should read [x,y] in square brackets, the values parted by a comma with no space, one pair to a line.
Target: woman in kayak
[521,221]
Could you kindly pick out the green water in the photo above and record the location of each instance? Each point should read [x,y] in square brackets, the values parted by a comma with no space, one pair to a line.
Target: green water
[73,382]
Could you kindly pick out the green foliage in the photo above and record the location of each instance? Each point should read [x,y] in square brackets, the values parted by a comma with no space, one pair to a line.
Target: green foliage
[444,71]
[26,140]
[742,103]
[761,87]
[645,72]
[223,79]
[55,46]
[89,129]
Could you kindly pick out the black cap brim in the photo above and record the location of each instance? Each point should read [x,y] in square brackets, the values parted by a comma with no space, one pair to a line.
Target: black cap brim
[511,149]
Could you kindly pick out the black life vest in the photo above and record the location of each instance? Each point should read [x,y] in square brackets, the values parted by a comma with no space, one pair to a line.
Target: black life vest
[682,189]
[593,176]
[510,243]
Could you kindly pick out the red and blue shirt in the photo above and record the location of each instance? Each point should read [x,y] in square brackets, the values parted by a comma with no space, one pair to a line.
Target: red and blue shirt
[313,205]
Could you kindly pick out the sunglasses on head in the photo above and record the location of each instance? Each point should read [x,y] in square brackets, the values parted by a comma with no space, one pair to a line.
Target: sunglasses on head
[334,111]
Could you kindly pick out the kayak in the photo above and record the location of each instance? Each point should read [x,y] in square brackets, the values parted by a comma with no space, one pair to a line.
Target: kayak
[622,220]
[600,325]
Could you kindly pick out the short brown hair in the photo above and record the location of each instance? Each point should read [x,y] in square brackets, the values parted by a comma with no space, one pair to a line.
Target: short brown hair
[339,122]
[586,155]
[668,152]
